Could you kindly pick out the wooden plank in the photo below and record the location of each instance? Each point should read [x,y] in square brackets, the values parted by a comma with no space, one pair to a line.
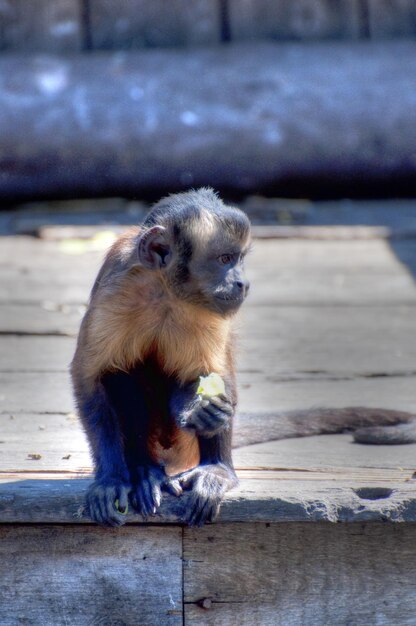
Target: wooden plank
[37,392]
[326,341]
[396,215]
[36,354]
[292,289]
[300,575]
[257,394]
[391,18]
[327,452]
[28,254]
[298,272]
[331,232]
[71,575]
[286,20]
[44,498]
[308,342]
[313,95]
[118,24]
[44,318]
[43,442]
[46,25]
[59,444]
[49,392]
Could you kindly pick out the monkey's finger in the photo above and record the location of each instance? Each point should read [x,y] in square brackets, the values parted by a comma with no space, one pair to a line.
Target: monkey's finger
[139,503]
[147,499]
[122,495]
[187,479]
[202,512]
[101,507]
[210,424]
[209,418]
[223,403]
[173,486]
[216,415]
[112,516]
[156,495]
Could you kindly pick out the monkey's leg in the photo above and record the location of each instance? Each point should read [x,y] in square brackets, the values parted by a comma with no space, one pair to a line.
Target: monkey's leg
[128,395]
[111,475]
[208,482]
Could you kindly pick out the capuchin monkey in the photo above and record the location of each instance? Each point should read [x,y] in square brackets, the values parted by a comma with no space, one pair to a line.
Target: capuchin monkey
[160,317]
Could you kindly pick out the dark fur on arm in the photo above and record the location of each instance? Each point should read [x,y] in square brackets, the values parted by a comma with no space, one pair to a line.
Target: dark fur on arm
[215,475]
[112,480]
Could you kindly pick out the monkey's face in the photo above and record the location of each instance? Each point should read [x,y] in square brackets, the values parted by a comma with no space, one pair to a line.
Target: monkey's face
[202,262]
[216,279]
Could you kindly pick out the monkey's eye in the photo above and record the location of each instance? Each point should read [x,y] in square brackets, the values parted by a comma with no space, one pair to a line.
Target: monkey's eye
[225,259]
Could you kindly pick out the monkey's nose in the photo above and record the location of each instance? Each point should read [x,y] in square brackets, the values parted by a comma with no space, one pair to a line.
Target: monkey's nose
[243,286]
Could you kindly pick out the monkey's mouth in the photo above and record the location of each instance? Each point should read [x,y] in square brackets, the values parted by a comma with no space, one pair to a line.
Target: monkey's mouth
[230,300]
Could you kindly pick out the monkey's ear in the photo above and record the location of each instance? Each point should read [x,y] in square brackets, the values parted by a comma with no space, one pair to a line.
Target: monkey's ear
[153,248]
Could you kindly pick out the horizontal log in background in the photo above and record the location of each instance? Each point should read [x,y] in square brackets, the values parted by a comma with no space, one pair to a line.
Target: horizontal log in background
[74,25]
[295,116]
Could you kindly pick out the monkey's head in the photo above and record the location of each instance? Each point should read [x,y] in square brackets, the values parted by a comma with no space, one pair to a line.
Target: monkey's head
[198,244]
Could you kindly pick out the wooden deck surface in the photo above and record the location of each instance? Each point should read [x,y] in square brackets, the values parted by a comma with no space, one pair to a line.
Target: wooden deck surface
[329,323]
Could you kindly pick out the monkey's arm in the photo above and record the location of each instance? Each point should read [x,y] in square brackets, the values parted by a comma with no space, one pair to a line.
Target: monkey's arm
[368,425]
[127,395]
[213,423]
[205,415]
[111,474]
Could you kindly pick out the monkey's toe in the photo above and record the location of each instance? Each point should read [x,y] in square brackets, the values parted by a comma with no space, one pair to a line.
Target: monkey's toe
[203,509]
[207,485]
[173,486]
[147,492]
[101,502]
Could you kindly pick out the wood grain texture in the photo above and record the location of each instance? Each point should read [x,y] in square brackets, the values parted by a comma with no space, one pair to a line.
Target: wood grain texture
[298,272]
[50,392]
[300,575]
[262,496]
[265,394]
[121,24]
[287,20]
[312,342]
[41,26]
[67,575]
[37,392]
[60,442]
[31,353]
[326,341]
[44,318]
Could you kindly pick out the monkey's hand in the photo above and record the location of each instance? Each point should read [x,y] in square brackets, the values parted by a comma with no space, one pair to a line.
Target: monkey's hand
[207,485]
[207,415]
[101,501]
[146,494]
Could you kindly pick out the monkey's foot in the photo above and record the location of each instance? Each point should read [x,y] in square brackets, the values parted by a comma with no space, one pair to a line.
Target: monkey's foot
[146,494]
[208,416]
[101,501]
[207,485]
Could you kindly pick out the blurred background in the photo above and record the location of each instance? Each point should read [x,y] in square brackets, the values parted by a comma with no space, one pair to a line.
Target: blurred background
[129,98]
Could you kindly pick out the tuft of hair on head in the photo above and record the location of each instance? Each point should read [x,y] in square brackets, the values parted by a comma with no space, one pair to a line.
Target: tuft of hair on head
[200,209]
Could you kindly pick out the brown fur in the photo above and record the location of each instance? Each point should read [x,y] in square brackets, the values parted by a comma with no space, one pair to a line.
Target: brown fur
[133,316]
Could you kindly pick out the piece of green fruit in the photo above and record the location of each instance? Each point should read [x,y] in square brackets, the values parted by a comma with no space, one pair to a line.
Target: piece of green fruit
[212,385]
[117,505]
